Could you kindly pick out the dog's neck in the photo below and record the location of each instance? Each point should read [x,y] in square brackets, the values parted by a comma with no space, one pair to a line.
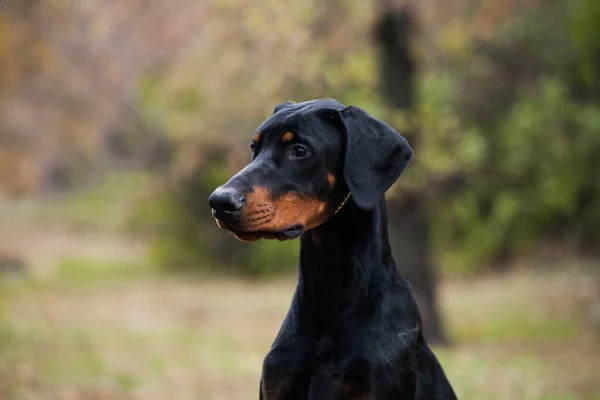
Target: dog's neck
[346,266]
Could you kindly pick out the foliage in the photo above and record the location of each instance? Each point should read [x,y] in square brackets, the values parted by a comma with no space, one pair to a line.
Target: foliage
[515,117]
[508,103]
[528,106]
[69,70]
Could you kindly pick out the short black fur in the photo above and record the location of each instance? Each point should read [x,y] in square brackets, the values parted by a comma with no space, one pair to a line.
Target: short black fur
[353,330]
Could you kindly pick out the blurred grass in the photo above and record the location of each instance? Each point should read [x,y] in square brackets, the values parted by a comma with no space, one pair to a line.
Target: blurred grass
[87,272]
[99,206]
[134,334]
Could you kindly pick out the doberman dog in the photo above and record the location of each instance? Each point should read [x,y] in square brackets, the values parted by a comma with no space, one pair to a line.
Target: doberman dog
[319,171]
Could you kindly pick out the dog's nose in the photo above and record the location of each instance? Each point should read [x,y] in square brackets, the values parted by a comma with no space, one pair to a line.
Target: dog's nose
[226,200]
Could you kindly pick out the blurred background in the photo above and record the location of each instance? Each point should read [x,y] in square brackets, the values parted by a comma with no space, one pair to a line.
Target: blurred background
[119,118]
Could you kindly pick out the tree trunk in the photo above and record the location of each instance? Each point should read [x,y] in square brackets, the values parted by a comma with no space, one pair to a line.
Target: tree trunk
[409,236]
[409,225]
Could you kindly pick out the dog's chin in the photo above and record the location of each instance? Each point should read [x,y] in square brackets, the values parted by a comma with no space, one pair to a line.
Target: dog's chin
[253,236]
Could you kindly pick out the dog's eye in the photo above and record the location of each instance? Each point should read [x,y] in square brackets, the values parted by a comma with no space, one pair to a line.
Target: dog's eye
[299,152]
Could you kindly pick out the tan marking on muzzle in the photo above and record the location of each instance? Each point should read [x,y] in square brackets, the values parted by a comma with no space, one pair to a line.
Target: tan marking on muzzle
[264,214]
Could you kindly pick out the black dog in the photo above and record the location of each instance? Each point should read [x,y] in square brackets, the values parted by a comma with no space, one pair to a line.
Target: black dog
[319,170]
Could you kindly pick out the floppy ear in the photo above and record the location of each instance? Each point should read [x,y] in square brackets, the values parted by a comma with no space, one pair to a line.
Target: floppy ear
[376,155]
[283,106]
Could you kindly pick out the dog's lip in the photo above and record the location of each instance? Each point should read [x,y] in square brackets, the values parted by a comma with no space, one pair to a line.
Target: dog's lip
[289,233]
[293,232]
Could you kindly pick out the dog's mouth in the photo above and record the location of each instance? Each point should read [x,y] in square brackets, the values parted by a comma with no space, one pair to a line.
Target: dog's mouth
[288,233]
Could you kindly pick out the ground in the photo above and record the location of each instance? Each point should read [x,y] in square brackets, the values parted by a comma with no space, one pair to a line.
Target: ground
[91,320]
[137,335]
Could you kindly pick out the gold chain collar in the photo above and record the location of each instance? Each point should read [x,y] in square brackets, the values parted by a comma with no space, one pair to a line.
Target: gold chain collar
[342,203]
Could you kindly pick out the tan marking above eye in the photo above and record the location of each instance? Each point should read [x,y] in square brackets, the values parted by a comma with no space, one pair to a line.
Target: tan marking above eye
[256,137]
[330,179]
[287,137]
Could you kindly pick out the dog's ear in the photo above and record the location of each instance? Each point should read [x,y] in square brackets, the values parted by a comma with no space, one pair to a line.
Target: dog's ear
[376,155]
[283,106]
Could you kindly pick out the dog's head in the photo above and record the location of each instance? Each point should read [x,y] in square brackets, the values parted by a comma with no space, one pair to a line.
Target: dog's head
[307,158]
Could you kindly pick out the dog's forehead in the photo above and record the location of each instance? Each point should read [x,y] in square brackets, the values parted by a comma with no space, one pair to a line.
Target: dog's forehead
[279,124]
[304,118]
